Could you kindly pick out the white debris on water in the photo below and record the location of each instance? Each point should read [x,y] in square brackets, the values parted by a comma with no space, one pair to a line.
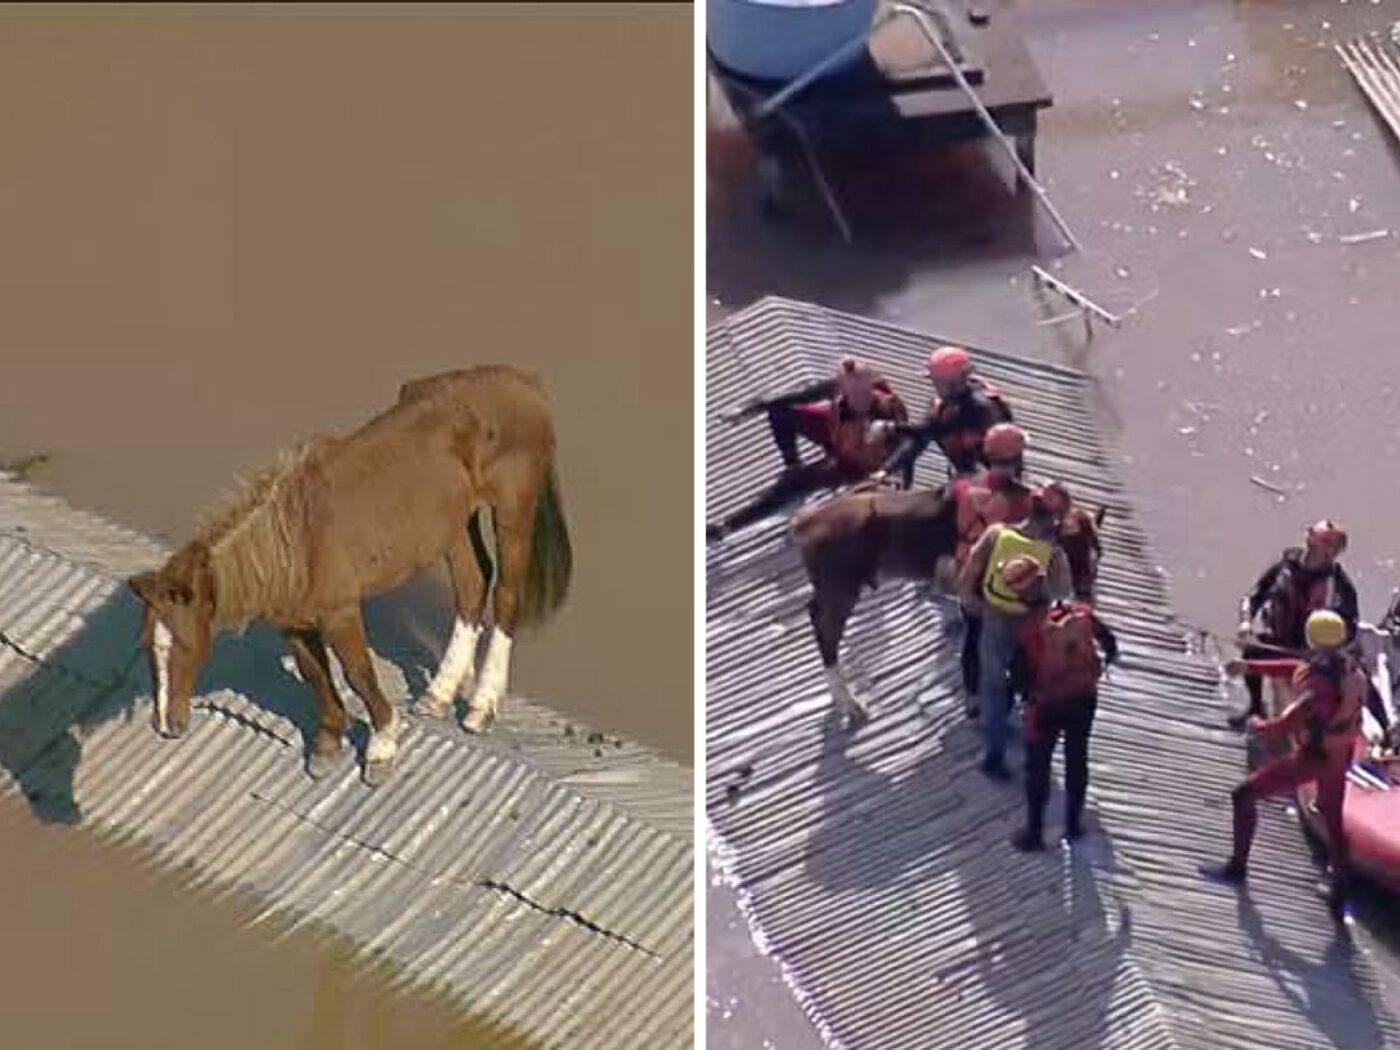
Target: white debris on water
[1259,253]
[1362,238]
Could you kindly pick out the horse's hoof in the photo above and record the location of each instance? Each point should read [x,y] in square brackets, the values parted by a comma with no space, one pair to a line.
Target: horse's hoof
[478,720]
[376,773]
[321,765]
[434,709]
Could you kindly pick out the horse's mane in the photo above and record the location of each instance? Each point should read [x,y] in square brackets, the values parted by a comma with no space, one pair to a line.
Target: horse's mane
[255,536]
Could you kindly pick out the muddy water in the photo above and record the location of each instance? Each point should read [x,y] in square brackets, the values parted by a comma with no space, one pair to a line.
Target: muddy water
[228,228]
[101,952]
[226,231]
[1211,194]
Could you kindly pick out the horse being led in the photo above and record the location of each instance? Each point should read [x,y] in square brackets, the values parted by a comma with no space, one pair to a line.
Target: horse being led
[871,534]
[341,519]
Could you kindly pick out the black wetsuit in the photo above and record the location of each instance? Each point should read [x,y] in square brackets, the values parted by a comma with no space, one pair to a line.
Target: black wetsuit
[1283,592]
[958,424]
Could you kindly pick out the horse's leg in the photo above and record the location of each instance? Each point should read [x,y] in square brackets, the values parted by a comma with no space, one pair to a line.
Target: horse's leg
[513,519]
[346,634]
[830,608]
[458,666]
[314,664]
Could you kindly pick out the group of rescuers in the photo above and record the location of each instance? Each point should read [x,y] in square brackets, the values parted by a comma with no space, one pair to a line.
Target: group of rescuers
[1026,636]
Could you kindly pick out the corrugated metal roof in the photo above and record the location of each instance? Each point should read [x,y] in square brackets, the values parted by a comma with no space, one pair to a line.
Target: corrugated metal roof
[876,866]
[541,876]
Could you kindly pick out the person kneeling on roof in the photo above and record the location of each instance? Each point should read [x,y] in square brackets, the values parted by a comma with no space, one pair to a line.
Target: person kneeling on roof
[1056,666]
[1302,581]
[1322,723]
[854,426]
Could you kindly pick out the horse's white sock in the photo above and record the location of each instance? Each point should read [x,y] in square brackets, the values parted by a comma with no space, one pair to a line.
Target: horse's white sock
[495,677]
[384,743]
[457,664]
[161,644]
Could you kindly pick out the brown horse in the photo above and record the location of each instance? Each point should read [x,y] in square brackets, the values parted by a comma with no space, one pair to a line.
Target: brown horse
[874,533]
[341,519]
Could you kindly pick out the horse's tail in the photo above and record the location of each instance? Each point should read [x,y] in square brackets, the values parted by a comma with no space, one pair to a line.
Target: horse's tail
[551,556]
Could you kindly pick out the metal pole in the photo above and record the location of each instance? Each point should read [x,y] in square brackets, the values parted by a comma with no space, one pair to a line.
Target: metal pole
[809,151]
[845,51]
[921,18]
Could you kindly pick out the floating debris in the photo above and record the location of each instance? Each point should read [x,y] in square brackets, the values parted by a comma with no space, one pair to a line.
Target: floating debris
[1268,485]
[1301,103]
[1258,253]
[1362,238]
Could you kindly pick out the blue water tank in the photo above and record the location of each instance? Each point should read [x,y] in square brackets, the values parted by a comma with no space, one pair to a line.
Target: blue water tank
[782,39]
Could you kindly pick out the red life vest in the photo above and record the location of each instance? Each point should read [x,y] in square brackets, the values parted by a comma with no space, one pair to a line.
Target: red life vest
[858,448]
[1064,659]
[983,501]
[1336,712]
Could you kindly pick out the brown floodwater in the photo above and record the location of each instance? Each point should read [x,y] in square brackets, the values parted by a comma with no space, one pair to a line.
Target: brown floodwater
[135,961]
[226,228]
[1222,172]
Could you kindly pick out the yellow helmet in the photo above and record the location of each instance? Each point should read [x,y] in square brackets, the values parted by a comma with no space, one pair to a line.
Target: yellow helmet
[1326,630]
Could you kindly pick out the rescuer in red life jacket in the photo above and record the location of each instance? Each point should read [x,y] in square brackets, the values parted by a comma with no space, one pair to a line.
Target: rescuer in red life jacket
[996,495]
[855,427]
[964,408]
[1322,723]
[1304,580]
[1056,667]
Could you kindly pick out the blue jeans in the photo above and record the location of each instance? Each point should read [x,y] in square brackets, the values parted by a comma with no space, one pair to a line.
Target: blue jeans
[997,644]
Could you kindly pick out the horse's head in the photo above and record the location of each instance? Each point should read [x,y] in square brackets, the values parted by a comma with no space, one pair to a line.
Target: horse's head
[178,629]
[1079,538]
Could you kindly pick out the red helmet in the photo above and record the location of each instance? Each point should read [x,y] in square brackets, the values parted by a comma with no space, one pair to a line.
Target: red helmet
[855,383]
[1328,534]
[949,363]
[1004,443]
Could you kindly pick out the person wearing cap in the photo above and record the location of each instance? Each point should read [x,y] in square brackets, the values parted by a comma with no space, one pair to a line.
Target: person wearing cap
[1056,666]
[854,426]
[997,494]
[988,588]
[964,408]
[1322,724]
[1303,580]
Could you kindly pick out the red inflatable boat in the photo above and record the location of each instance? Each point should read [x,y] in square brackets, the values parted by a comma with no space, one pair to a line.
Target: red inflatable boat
[1371,815]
